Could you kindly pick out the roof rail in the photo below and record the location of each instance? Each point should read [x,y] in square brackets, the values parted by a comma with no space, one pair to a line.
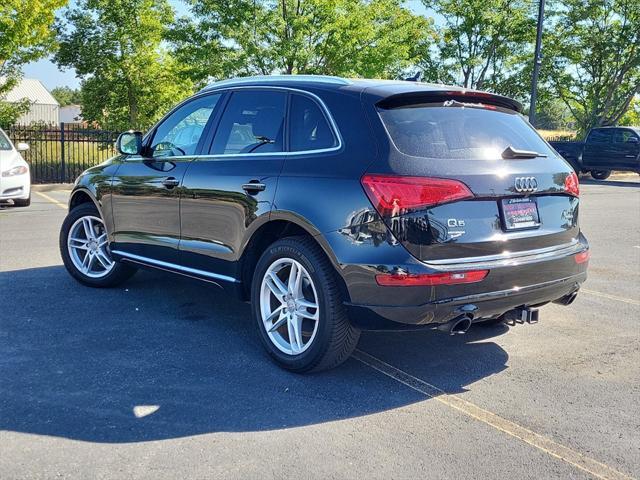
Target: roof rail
[277,79]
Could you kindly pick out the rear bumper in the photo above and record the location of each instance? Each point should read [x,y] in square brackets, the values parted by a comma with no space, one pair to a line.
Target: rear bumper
[527,279]
[480,305]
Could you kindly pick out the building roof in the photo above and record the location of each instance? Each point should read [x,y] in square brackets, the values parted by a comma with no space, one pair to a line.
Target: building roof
[31,89]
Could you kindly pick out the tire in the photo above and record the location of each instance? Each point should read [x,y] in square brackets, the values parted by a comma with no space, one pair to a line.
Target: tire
[600,174]
[22,202]
[330,339]
[97,276]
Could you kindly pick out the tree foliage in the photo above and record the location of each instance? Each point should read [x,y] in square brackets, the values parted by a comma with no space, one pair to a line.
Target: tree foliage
[480,42]
[595,46]
[25,36]
[115,46]
[67,96]
[369,38]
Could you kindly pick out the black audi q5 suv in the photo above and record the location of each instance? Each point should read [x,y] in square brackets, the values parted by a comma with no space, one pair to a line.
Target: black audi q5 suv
[338,205]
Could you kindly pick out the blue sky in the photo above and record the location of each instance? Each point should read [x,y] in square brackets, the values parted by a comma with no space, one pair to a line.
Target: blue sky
[49,74]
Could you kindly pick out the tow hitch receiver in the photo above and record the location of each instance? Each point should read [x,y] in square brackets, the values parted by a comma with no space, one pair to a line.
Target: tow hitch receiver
[521,315]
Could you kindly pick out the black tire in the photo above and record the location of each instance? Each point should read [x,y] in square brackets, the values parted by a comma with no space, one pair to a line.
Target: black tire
[120,271]
[22,202]
[600,174]
[335,338]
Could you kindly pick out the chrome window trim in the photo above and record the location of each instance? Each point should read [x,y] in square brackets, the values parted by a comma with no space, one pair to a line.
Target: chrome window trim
[225,88]
[172,266]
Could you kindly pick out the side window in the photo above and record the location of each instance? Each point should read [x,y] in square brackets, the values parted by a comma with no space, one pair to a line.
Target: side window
[623,136]
[252,122]
[600,136]
[180,133]
[308,127]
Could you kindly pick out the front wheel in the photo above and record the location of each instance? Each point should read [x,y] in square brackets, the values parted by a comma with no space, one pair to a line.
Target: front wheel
[600,174]
[22,202]
[298,307]
[85,250]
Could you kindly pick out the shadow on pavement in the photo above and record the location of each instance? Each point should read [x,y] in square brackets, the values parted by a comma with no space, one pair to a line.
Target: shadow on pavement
[163,357]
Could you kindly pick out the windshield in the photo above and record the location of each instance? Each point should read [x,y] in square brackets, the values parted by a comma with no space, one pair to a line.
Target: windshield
[453,130]
[4,142]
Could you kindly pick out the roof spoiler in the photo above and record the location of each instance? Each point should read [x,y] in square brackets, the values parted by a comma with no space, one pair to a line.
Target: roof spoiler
[465,96]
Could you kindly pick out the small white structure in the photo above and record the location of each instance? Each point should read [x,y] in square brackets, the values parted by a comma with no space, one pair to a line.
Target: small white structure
[44,108]
[71,114]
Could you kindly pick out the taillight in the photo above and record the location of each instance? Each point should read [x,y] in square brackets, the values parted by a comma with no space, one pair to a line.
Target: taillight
[430,279]
[392,195]
[572,185]
[583,256]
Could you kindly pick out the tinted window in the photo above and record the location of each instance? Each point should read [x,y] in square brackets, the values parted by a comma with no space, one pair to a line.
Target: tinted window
[600,136]
[252,123]
[180,133]
[308,126]
[459,132]
[623,136]
[4,142]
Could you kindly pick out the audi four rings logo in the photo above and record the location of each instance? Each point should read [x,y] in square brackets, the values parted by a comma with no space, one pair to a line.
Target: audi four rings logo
[526,184]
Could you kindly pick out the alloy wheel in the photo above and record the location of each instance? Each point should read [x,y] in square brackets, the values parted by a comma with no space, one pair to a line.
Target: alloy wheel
[289,306]
[88,249]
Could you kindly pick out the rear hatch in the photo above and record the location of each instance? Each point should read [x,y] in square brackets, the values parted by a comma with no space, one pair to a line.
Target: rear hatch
[467,176]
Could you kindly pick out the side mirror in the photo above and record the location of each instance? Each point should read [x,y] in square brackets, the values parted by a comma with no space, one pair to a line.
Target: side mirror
[129,143]
[635,140]
[22,147]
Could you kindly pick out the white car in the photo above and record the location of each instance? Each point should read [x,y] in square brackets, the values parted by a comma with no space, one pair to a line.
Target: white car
[15,179]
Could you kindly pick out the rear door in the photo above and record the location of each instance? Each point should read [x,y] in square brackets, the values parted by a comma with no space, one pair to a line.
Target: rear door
[487,204]
[626,145]
[146,188]
[599,150]
[231,186]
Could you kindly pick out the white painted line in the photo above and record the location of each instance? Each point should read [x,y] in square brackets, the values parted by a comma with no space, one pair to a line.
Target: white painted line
[52,200]
[608,296]
[542,443]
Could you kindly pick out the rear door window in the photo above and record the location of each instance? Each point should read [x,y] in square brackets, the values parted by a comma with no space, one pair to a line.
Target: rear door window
[308,126]
[253,122]
[600,136]
[452,130]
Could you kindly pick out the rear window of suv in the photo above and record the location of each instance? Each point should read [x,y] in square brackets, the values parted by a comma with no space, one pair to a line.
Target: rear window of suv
[452,130]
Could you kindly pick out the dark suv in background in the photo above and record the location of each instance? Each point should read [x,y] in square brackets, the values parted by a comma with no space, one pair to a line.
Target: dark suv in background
[338,205]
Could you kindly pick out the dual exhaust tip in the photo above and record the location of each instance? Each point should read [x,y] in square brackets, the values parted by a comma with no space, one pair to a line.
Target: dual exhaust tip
[462,323]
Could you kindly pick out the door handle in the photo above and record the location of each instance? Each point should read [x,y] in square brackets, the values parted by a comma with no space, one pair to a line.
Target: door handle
[253,187]
[170,182]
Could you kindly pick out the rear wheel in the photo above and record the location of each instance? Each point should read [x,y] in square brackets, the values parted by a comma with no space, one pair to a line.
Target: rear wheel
[85,250]
[600,174]
[22,202]
[298,307]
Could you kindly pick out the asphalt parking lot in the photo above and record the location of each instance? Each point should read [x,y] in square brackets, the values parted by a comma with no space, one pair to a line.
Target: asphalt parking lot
[165,378]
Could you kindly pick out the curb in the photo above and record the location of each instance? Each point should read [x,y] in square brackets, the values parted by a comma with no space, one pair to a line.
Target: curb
[48,187]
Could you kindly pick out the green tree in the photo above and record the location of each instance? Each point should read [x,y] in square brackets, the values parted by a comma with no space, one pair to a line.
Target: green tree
[370,38]
[25,36]
[115,46]
[481,42]
[67,96]
[632,115]
[595,45]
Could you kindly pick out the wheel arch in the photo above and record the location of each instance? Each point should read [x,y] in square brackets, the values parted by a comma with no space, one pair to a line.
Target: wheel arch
[281,225]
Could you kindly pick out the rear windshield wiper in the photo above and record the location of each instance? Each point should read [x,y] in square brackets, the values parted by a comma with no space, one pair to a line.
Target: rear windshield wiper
[511,152]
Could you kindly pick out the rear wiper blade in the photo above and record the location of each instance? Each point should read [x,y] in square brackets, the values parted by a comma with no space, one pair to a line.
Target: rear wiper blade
[511,152]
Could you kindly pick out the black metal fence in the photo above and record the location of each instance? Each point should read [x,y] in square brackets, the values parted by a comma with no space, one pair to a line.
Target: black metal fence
[58,154]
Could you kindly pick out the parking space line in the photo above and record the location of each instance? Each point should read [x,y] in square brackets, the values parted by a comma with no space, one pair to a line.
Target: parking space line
[52,200]
[611,297]
[546,445]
